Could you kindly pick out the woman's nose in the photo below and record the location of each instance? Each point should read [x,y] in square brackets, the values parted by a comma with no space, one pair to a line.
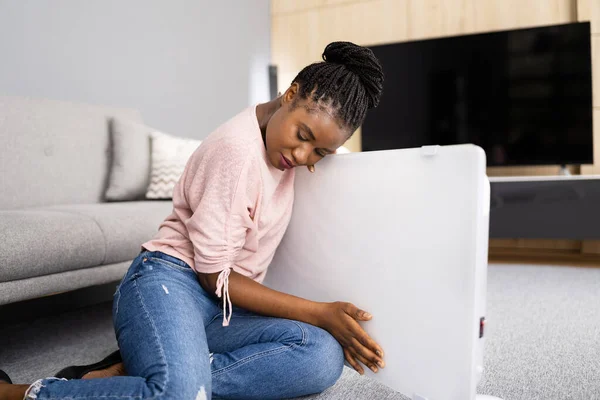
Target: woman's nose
[300,154]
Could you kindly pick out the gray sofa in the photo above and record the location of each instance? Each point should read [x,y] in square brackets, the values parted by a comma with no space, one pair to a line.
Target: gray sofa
[57,233]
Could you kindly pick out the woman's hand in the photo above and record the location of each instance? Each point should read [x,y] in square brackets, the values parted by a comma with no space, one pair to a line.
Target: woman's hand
[341,320]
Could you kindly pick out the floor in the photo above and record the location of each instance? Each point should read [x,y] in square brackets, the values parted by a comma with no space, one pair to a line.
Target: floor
[543,337]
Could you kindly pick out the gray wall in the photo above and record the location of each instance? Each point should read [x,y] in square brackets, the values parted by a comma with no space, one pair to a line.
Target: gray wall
[187,65]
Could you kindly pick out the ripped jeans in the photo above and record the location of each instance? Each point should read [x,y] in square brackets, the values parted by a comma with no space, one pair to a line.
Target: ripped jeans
[174,346]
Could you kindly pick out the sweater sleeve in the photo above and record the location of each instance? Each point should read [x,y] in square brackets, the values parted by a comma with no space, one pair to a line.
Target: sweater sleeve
[219,190]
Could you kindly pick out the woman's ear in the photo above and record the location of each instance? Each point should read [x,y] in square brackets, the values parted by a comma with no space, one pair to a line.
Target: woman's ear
[290,93]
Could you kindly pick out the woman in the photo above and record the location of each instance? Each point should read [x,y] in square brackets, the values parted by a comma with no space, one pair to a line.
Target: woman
[191,317]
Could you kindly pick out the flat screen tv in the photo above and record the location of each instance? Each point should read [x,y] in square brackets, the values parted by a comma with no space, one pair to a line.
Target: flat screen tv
[524,96]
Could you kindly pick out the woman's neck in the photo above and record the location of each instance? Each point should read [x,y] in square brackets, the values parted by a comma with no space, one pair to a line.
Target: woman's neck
[264,112]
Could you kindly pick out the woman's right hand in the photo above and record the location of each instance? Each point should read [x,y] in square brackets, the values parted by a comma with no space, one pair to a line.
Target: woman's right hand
[340,319]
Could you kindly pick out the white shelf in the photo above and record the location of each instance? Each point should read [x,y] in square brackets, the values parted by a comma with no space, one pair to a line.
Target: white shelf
[542,178]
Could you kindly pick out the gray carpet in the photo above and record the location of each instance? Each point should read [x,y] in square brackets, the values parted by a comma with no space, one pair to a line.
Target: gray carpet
[543,339]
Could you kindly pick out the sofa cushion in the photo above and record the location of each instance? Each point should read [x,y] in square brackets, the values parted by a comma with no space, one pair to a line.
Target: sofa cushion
[36,242]
[170,155]
[130,166]
[124,226]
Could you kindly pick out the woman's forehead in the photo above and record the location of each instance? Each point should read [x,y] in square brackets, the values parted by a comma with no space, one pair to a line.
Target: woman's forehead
[321,121]
[318,108]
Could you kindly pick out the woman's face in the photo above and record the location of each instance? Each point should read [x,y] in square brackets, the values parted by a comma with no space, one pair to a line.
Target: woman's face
[301,133]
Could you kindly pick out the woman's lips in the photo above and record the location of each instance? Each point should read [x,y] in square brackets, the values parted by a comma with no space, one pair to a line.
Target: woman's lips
[285,163]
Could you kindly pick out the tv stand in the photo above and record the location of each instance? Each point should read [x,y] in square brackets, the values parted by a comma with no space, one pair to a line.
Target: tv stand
[545,207]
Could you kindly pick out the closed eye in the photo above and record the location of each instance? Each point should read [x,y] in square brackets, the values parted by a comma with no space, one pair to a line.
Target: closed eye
[302,138]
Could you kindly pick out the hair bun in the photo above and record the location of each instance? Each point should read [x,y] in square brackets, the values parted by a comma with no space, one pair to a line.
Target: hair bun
[361,61]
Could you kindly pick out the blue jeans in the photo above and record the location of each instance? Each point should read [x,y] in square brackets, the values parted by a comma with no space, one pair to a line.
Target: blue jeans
[174,346]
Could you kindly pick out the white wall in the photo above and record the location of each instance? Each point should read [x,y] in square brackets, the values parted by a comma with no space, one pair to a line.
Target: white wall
[187,65]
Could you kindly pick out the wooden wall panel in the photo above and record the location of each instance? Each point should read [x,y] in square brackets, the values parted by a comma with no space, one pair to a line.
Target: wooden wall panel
[596,69]
[279,7]
[594,169]
[354,144]
[595,16]
[584,10]
[434,18]
[513,14]
[589,10]
[354,22]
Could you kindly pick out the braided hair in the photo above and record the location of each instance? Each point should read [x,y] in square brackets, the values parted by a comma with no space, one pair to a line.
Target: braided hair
[350,81]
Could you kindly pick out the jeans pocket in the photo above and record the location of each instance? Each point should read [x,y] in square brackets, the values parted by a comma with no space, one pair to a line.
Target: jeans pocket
[170,264]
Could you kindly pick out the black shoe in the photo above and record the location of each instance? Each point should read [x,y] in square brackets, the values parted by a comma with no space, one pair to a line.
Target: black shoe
[4,377]
[78,371]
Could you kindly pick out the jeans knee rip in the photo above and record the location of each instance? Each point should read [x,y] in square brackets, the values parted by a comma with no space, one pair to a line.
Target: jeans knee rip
[201,394]
[33,390]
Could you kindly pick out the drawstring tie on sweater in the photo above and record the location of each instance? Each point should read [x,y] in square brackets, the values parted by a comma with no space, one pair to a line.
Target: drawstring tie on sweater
[223,289]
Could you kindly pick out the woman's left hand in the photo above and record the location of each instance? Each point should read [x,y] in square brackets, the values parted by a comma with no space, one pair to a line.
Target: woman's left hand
[341,320]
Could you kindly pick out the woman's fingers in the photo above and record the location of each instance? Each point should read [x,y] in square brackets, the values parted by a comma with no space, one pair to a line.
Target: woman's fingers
[357,313]
[357,344]
[359,333]
[352,361]
[371,365]
[366,354]
[369,343]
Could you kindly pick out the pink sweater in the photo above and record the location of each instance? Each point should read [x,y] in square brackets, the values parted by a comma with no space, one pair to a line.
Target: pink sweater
[231,207]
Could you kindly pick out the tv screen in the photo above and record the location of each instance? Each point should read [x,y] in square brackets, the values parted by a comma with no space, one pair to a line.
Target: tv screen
[524,96]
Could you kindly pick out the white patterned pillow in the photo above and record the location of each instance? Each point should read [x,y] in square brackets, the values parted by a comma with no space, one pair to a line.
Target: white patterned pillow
[169,157]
